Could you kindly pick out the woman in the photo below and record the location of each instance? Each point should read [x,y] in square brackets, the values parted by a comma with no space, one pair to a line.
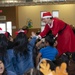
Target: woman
[23,52]
[3,71]
[62,30]
[6,55]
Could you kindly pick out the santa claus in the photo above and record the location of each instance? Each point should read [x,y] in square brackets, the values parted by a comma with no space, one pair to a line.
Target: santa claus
[66,37]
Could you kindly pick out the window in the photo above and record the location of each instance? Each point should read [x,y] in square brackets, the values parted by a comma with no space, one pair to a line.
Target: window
[6,26]
[55,13]
[9,27]
[3,26]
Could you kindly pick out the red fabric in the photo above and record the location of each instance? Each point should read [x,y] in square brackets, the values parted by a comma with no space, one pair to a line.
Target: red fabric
[0,28]
[47,14]
[66,39]
[6,34]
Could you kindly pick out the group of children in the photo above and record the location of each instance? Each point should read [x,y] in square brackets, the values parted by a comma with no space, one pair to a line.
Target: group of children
[18,59]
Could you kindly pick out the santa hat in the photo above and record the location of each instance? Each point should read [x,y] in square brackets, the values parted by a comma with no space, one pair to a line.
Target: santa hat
[47,15]
[0,28]
[1,31]
[23,31]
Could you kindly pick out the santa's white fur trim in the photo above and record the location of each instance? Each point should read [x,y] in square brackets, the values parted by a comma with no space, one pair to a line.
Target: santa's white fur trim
[46,16]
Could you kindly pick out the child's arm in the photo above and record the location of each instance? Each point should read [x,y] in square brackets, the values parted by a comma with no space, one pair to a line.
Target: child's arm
[38,58]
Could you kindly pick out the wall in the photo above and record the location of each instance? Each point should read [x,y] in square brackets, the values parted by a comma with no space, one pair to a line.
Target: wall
[11,15]
[66,13]
[19,15]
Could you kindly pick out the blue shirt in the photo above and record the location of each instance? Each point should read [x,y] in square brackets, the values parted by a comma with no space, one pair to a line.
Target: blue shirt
[24,64]
[10,73]
[9,60]
[49,52]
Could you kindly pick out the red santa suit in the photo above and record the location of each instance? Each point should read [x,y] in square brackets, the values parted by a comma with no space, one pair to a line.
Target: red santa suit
[66,37]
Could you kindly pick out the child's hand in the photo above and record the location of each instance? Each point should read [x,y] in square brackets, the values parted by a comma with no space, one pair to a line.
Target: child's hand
[33,34]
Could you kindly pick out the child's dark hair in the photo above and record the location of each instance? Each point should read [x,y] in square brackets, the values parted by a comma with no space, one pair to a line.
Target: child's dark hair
[20,44]
[51,39]
[3,46]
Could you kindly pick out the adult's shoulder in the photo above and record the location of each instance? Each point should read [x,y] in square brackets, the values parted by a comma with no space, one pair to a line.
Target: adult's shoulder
[55,18]
[58,20]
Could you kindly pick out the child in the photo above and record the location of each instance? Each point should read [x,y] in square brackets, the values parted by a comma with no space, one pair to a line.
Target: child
[3,71]
[49,52]
[23,52]
[6,55]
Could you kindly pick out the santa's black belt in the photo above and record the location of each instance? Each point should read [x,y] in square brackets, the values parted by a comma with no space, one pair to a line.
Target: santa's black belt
[62,29]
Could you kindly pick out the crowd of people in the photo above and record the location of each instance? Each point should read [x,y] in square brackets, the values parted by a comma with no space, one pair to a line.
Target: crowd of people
[17,55]
[23,55]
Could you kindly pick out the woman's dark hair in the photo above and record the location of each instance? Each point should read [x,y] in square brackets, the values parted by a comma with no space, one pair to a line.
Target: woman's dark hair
[5,72]
[20,44]
[3,46]
[51,39]
[51,17]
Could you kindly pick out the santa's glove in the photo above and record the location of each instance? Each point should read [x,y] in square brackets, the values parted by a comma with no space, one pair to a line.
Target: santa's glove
[38,37]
